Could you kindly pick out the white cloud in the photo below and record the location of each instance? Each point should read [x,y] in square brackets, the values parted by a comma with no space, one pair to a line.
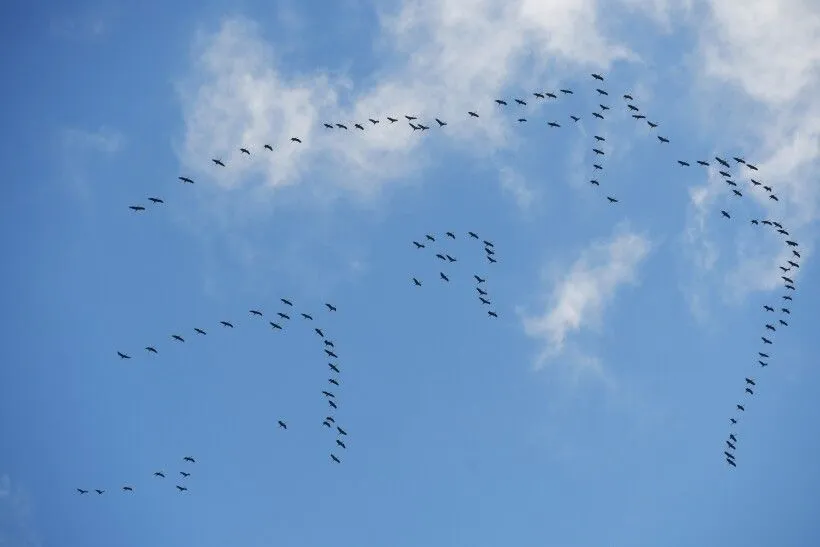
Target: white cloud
[515,184]
[104,140]
[579,299]
[764,57]
[451,56]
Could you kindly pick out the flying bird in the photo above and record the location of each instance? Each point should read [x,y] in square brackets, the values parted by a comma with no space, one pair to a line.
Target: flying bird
[662,139]
[155,200]
[186,179]
[189,459]
[330,307]
[151,349]
[218,162]
[282,424]
[136,208]
[226,324]
[123,355]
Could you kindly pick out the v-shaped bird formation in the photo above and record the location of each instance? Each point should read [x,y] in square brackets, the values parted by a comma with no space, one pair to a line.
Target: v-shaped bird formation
[739,175]
[441,246]
[280,322]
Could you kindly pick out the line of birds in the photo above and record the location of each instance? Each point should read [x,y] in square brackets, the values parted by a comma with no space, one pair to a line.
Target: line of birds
[328,346]
[771,327]
[489,252]
[721,164]
[158,474]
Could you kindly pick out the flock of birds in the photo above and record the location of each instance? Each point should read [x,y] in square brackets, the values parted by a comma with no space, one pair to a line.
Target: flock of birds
[721,165]
[447,258]
[157,474]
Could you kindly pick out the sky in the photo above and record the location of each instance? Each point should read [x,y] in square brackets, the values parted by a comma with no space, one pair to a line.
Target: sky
[593,410]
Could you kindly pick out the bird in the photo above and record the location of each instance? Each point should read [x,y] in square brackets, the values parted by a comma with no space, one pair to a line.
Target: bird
[750,166]
[473,114]
[245,151]
[100,492]
[186,179]
[282,424]
[478,279]
[123,355]
[159,474]
[184,474]
[189,459]
[724,213]
[601,91]
[611,199]
[683,163]
[740,407]
[358,126]
[392,120]
[330,307]
[492,314]
[766,355]
[444,277]
[286,301]
[333,367]
[785,310]
[283,315]
[319,332]
[334,458]
[333,381]
[597,115]
[275,325]
[566,91]
[768,308]
[127,488]
[416,282]
[598,77]
[599,138]
[553,124]
[296,139]
[181,488]
[329,343]
[599,152]
[451,235]
[731,462]
[155,200]
[340,443]
[136,208]
[575,118]
[440,123]
[766,340]
[331,354]
[226,324]
[732,437]
[81,491]
[652,125]
[628,97]
[749,391]
[704,163]
[501,102]
[341,431]
[595,182]
[521,102]
[177,337]
[269,147]
[483,300]
[307,316]
[331,403]
[255,312]
[218,162]
[722,162]
[199,331]
[662,139]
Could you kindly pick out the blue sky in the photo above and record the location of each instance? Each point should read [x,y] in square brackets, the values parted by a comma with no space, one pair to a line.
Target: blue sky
[593,411]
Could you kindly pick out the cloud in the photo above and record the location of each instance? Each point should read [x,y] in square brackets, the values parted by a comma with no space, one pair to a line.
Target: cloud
[516,185]
[441,57]
[764,58]
[77,149]
[17,524]
[579,298]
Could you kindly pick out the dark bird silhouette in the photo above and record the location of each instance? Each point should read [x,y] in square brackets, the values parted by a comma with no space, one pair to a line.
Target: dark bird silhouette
[575,118]
[334,458]
[269,147]
[444,277]
[328,125]
[255,312]
[155,200]
[730,445]
[766,355]
[596,166]
[275,325]
[756,183]
[307,316]
[551,95]
[722,162]
[768,308]
[331,403]
[782,231]
[767,188]
[639,116]
[329,343]
[598,77]
[330,307]
[100,492]
[441,256]
[601,91]
[791,243]
[785,310]
[491,260]
[599,152]
[628,97]
[81,491]
[725,174]
[553,124]
[519,101]
[319,332]
[159,474]
[481,292]
[737,193]
[773,197]
[599,138]
[440,123]
[724,213]
[418,245]
[189,459]
[766,340]
[652,125]
[752,167]
[181,488]
[595,182]
[450,235]
[663,139]
[245,151]
[127,489]
[371,120]
[484,301]
[731,462]
[603,106]
[501,101]
[762,364]
[739,160]
[473,235]
[633,108]
[136,208]
[392,120]
[750,381]
[296,139]
[282,424]
[729,454]
[226,324]
[341,431]
[330,419]
[782,322]
[123,355]
[184,474]
[331,354]
[333,367]
[341,126]
[200,331]
[478,279]
[151,349]
[740,407]
[567,91]
[416,282]
[410,118]
[332,381]
[186,179]
[539,95]
[358,126]
[450,258]
[218,162]
[283,315]
[597,115]
[704,163]
[431,238]
[177,337]
[473,114]
[786,279]
[732,437]
[340,443]
[611,199]
[754,221]
[286,301]
[795,253]
[733,420]
[749,391]
[492,314]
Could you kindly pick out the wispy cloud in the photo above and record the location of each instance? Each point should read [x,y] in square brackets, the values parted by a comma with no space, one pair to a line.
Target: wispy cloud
[516,185]
[17,524]
[453,52]
[579,298]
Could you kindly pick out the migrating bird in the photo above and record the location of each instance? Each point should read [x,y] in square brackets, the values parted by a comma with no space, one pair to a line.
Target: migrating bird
[473,114]
[245,151]
[181,488]
[611,199]
[155,200]
[307,316]
[189,459]
[184,474]
[123,355]
[282,424]
[100,492]
[601,91]
[177,337]
[136,208]
[704,163]
[199,331]
[226,324]
[766,340]
[331,354]
[749,391]
[492,314]
[416,282]
[81,491]
[127,489]
[683,163]
[740,407]
[218,162]
[330,307]
[296,139]
[750,381]
[269,147]
[334,458]
[724,213]
[283,315]
[159,474]
[151,349]
[186,179]
[663,139]
[598,77]
[722,162]
[255,312]
[444,277]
